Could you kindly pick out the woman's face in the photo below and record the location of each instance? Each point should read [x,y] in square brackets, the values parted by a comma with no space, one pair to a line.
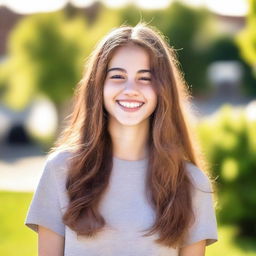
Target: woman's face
[129,95]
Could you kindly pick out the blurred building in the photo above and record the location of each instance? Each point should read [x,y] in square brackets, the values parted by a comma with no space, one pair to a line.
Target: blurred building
[230,24]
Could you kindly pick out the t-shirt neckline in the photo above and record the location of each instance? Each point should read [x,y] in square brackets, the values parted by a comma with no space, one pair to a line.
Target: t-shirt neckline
[133,163]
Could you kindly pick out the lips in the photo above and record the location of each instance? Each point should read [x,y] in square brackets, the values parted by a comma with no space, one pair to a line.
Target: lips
[130,105]
[130,101]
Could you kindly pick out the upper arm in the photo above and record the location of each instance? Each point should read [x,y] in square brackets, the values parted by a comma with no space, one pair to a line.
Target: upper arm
[49,242]
[204,226]
[49,200]
[195,249]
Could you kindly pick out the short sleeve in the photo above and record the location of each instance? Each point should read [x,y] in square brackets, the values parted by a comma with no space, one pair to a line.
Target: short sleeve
[45,207]
[205,224]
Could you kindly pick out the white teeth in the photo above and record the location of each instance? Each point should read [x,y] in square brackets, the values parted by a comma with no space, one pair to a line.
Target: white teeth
[130,104]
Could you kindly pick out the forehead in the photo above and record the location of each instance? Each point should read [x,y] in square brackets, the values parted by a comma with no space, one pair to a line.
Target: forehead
[130,56]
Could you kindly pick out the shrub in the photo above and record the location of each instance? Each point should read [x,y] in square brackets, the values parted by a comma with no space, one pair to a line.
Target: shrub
[229,142]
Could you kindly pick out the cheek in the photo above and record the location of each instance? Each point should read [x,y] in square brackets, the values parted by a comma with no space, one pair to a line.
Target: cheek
[152,97]
[109,89]
[109,94]
[106,91]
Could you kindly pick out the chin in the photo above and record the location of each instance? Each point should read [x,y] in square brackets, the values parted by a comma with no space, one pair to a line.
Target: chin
[130,122]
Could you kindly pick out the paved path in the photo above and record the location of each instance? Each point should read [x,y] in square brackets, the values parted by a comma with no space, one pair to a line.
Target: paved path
[20,167]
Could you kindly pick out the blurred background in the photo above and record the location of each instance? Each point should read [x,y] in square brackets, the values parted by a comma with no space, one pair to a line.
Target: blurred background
[43,49]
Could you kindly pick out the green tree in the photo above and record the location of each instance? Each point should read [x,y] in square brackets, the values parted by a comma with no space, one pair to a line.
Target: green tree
[247,38]
[46,52]
[228,139]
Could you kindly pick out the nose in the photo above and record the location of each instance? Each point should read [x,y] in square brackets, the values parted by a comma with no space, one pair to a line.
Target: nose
[130,88]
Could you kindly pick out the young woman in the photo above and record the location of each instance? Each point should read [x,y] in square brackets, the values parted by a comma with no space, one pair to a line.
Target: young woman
[124,177]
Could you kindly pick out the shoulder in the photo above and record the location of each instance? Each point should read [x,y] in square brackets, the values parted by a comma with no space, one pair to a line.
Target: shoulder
[59,158]
[57,162]
[198,177]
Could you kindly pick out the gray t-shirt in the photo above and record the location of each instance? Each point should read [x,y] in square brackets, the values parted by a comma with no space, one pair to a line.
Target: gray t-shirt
[124,207]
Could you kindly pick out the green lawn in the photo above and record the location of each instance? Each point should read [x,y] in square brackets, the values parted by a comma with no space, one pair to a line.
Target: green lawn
[228,246]
[15,236]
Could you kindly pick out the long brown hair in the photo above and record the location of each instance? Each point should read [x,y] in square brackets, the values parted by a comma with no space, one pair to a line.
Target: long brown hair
[170,140]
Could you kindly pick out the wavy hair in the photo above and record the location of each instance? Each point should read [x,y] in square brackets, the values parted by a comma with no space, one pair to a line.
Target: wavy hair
[170,140]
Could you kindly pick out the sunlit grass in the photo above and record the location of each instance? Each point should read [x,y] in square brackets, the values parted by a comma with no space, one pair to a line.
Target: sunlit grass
[17,239]
[227,245]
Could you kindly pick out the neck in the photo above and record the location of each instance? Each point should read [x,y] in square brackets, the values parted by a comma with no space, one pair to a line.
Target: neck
[129,142]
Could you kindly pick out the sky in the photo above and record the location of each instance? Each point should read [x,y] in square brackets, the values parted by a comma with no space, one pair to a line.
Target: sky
[224,7]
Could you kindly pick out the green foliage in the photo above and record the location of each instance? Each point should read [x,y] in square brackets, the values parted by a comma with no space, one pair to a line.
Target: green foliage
[46,54]
[223,48]
[107,19]
[247,38]
[3,78]
[229,139]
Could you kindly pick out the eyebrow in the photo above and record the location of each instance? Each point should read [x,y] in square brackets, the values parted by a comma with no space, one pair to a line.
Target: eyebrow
[123,70]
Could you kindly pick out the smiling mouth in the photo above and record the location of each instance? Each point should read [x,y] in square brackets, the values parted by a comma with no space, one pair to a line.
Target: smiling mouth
[130,106]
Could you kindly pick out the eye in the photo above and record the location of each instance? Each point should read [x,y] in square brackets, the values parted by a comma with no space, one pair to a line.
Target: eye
[117,77]
[145,78]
